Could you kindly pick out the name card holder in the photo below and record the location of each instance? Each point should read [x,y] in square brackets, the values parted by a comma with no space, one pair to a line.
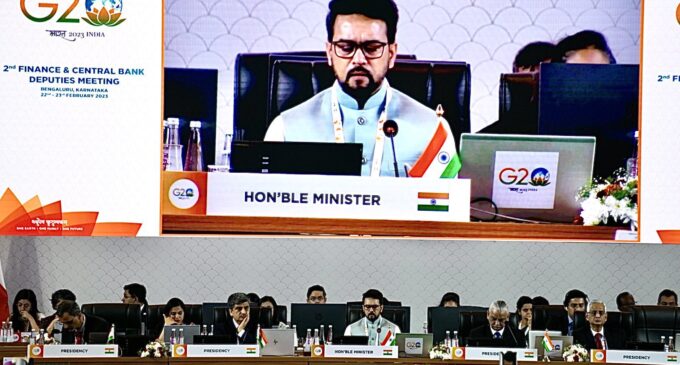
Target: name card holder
[215,351]
[633,357]
[361,352]
[69,351]
[493,353]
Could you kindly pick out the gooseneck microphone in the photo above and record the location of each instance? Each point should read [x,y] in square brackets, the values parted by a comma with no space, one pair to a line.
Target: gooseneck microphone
[377,336]
[390,129]
[508,326]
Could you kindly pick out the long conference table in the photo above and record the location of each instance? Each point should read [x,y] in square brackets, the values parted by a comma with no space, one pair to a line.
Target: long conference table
[14,350]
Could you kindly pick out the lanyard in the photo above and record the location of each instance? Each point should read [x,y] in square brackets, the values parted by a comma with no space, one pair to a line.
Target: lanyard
[379,136]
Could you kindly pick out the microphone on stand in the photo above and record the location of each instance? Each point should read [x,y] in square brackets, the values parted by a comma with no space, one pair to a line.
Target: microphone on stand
[377,336]
[390,129]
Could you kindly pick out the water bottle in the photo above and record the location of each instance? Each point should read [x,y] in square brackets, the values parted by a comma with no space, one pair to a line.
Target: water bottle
[194,157]
[632,162]
[165,144]
[174,148]
[212,328]
[329,338]
[316,337]
[204,330]
[454,341]
[173,339]
[181,336]
[296,341]
[307,348]
[665,344]
[33,338]
[225,154]
[41,337]
[3,332]
[425,327]
[142,328]
[447,339]
[671,345]
[322,335]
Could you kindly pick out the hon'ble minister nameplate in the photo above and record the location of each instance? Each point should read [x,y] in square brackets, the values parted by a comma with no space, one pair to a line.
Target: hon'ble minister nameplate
[633,357]
[59,351]
[215,351]
[361,352]
[342,197]
[493,353]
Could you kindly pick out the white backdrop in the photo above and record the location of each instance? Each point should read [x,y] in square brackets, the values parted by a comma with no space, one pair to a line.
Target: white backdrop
[417,272]
[484,33]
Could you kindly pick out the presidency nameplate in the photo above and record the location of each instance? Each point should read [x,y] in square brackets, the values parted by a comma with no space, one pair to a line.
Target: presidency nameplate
[493,353]
[59,351]
[342,197]
[361,352]
[215,351]
[633,357]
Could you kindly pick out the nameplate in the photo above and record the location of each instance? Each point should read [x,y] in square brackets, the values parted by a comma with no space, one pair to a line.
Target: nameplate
[633,357]
[338,197]
[361,352]
[63,351]
[493,353]
[215,351]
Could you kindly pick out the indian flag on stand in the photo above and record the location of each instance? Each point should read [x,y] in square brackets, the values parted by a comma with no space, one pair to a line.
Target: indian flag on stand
[547,343]
[440,159]
[433,202]
[390,339]
[261,338]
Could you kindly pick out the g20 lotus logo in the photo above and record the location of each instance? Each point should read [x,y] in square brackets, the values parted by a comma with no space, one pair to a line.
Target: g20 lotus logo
[538,177]
[99,12]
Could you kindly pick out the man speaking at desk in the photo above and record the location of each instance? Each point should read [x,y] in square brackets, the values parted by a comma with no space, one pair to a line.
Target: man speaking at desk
[361,107]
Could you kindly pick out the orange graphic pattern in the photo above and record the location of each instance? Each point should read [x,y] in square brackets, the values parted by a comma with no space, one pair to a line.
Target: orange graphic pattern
[32,218]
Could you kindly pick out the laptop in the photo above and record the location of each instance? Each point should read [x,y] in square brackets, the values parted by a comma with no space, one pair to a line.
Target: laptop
[560,342]
[280,342]
[297,158]
[414,344]
[189,332]
[526,177]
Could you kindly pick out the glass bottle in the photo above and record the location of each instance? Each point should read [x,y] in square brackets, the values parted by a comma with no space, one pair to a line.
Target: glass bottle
[633,162]
[322,335]
[447,339]
[194,157]
[454,341]
[180,340]
[329,338]
[307,348]
[173,338]
[173,147]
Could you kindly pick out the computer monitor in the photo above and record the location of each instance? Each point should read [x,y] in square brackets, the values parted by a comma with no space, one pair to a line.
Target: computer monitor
[592,100]
[191,94]
[442,319]
[312,316]
[297,158]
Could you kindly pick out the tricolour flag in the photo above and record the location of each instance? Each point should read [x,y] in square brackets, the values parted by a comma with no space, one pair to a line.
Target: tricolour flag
[262,338]
[4,298]
[390,339]
[547,343]
[434,202]
[440,159]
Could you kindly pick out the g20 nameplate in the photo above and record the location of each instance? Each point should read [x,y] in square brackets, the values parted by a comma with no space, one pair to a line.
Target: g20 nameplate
[633,357]
[59,351]
[493,353]
[215,351]
[361,352]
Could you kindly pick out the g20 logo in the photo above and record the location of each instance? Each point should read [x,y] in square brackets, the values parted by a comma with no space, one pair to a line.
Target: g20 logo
[538,177]
[183,194]
[99,12]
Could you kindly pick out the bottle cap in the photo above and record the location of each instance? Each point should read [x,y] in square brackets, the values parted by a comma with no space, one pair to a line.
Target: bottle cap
[195,124]
[173,121]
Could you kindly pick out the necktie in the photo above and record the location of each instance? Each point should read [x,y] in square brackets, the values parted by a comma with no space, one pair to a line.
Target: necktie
[598,341]
[570,328]
[497,335]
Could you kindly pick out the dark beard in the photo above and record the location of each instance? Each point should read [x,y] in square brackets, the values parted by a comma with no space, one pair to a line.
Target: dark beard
[361,95]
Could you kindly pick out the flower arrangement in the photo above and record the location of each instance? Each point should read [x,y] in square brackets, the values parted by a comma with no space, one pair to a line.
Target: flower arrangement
[441,351]
[611,201]
[575,353]
[155,349]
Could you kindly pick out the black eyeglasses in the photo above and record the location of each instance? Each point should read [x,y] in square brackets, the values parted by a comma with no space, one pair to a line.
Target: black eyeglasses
[371,49]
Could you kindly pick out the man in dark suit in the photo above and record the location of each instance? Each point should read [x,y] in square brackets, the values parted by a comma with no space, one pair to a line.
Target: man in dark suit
[498,333]
[594,336]
[78,323]
[574,301]
[238,329]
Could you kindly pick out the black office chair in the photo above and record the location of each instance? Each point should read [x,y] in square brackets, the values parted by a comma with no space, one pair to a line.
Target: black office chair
[518,105]
[650,322]
[469,321]
[542,315]
[252,77]
[282,312]
[399,315]
[429,82]
[126,317]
